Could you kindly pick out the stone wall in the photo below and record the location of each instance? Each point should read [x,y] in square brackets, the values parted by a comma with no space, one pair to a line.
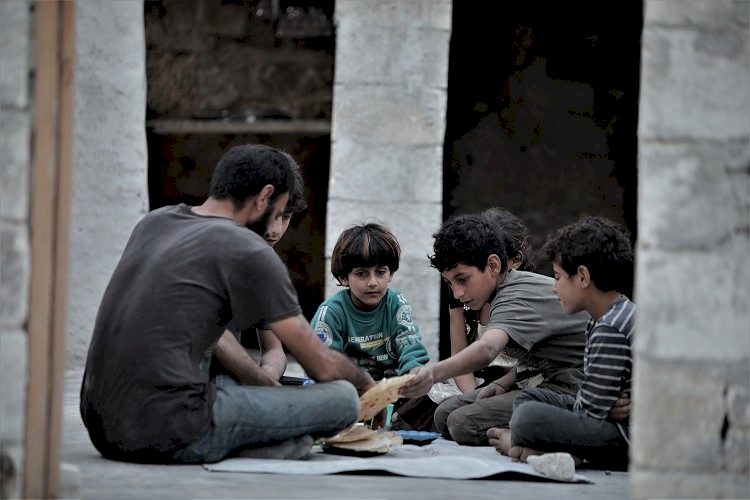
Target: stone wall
[16,41]
[110,168]
[390,88]
[692,380]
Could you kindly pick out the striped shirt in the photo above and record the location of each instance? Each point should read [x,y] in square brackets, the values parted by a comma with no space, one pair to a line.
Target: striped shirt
[607,360]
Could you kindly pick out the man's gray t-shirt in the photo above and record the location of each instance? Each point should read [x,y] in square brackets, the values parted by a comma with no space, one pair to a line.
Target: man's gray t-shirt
[542,335]
[181,280]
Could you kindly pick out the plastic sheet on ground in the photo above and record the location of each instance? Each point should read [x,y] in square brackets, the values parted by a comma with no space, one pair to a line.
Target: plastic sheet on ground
[441,459]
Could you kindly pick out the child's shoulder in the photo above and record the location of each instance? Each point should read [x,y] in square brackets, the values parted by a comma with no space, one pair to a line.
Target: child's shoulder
[620,314]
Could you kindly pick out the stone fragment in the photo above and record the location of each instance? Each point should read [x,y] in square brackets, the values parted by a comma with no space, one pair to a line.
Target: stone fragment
[560,466]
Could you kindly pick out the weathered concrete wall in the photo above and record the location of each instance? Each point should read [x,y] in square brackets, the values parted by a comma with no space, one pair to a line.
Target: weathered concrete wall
[110,190]
[15,251]
[692,417]
[387,138]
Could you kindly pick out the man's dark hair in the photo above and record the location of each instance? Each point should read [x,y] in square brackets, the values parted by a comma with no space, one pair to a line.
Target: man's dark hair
[365,245]
[468,239]
[515,235]
[297,202]
[243,171]
[599,244]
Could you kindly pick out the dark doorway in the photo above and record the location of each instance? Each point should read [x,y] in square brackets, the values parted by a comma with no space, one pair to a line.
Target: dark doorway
[222,73]
[542,113]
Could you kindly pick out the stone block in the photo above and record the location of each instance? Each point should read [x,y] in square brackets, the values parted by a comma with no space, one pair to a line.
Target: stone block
[110,102]
[404,114]
[411,223]
[11,469]
[708,182]
[386,172]
[435,14]
[97,25]
[15,151]
[717,13]
[737,450]
[692,305]
[13,378]
[678,416]
[14,57]
[738,406]
[387,55]
[694,484]
[15,274]
[694,84]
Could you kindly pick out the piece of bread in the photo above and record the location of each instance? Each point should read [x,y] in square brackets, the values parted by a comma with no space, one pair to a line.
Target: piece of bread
[379,397]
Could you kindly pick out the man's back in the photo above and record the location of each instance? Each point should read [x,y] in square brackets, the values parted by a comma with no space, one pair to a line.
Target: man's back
[181,279]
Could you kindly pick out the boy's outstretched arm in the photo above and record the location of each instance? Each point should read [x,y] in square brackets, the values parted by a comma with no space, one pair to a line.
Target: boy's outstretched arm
[476,356]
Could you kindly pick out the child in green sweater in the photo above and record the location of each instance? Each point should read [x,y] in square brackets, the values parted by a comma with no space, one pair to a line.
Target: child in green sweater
[368,321]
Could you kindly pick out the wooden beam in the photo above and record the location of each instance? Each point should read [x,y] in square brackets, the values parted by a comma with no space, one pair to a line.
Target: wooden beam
[58,348]
[50,202]
[310,128]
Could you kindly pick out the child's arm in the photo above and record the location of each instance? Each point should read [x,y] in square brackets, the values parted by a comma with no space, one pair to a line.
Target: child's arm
[466,382]
[408,340]
[330,325]
[608,359]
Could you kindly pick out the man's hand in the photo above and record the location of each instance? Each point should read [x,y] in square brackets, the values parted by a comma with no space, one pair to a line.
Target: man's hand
[488,391]
[419,385]
[621,409]
[236,359]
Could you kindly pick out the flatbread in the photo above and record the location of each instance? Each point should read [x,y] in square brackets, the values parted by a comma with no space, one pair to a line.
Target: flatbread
[379,397]
[378,443]
[356,433]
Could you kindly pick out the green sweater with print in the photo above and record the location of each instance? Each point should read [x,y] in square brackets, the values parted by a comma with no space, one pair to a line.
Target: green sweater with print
[384,341]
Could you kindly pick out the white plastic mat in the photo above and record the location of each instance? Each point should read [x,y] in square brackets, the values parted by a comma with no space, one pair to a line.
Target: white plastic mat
[441,459]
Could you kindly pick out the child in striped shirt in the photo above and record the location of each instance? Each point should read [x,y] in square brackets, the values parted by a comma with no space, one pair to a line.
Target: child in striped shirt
[592,261]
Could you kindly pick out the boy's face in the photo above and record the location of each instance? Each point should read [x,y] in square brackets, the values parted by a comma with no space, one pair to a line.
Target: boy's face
[368,286]
[474,287]
[567,290]
[275,228]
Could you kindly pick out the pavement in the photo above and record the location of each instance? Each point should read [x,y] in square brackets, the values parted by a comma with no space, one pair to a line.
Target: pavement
[99,478]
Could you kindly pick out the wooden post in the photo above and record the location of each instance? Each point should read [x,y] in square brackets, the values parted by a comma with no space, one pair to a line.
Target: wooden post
[50,210]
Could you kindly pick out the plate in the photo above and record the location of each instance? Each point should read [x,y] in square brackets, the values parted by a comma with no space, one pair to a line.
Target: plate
[419,438]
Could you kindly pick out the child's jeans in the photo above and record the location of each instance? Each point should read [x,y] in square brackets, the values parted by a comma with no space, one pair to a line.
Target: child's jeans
[544,420]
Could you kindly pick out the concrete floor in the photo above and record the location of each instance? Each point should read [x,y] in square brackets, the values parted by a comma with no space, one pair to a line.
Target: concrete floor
[101,478]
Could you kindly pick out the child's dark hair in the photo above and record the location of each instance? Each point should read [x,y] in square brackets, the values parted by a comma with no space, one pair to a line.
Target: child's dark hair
[515,236]
[243,171]
[468,239]
[364,245]
[297,201]
[599,244]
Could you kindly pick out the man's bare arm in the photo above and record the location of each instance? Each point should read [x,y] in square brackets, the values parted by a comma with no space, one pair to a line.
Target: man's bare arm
[273,357]
[236,359]
[318,361]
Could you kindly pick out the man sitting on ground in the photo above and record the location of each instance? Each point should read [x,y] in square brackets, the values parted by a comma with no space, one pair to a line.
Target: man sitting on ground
[185,274]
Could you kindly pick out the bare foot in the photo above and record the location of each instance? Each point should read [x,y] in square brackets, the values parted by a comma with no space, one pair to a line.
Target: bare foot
[500,439]
[521,453]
